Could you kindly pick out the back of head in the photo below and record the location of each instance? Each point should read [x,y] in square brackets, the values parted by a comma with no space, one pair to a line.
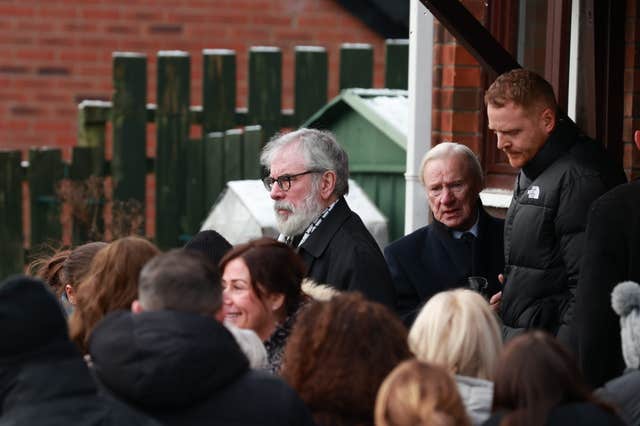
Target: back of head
[534,374]
[335,360]
[320,150]
[417,393]
[77,265]
[210,243]
[180,280]
[523,88]
[49,269]
[458,330]
[32,322]
[111,284]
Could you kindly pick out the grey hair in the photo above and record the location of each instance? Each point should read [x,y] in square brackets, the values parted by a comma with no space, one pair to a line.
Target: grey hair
[320,151]
[450,149]
[180,280]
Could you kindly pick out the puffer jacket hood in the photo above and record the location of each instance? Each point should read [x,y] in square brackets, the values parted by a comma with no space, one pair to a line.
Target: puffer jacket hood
[165,360]
[477,395]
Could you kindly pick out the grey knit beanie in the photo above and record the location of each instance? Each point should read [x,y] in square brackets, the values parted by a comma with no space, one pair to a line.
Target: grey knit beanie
[625,301]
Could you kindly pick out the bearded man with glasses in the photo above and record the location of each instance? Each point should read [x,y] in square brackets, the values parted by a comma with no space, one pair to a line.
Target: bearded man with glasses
[308,179]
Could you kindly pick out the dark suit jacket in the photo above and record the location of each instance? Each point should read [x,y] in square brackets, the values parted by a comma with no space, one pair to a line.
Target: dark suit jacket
[342,253]
[430,260]
[611,255]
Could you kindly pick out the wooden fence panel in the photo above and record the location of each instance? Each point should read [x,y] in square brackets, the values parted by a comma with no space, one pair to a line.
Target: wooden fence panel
[45,173]
[194,188]
[218,90]
[233,155]
[88,199]
[251,147]
[172,123]
[265,89]
[129,120]
[213,167]
[11,249]
[396,73]
[311,77]
[356,65]
[92,124]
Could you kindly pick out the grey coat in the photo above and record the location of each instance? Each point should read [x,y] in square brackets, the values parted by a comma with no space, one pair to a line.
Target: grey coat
[477,395]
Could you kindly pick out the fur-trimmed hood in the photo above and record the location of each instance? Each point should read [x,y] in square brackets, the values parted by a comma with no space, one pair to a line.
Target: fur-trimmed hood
[318,292]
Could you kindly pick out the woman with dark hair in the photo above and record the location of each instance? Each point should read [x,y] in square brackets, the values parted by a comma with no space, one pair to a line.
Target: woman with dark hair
[66,269]
[537,382]
[418,393]
[261,283]
[339,353]
[111,284]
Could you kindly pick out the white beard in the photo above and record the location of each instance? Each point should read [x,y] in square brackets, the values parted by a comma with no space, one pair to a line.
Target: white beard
[299,218]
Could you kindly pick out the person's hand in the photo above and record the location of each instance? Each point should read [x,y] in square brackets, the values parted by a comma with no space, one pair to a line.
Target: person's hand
[494,301]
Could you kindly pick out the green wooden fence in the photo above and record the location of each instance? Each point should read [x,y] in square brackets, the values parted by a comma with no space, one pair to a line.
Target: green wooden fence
[189,174]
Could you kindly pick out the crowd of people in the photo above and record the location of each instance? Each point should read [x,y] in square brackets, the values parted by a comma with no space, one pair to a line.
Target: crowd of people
[471,320]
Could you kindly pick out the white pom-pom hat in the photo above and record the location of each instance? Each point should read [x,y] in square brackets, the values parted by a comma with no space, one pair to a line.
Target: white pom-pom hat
[625,301]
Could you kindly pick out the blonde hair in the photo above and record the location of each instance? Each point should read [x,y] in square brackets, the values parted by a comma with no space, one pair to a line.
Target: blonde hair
[458,330]
[417,393]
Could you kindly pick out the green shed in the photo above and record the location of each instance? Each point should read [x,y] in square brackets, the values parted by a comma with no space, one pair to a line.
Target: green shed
[371,125]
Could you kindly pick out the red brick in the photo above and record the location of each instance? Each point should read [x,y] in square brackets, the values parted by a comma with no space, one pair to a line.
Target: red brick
[62,13]
[16,10]
[92,13]
[465,122]
[77,55]
[35,54]
[462,77]
[55,125]
[14,125]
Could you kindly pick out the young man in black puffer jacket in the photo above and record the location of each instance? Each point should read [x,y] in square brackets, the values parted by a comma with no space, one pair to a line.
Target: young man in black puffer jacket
[172,359]
[43,379]
[561,173]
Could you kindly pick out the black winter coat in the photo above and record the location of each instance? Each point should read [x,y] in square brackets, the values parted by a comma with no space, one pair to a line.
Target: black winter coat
[612,255]
[342,253]
[61,392]
[430,260]
[187,369]
[544,229]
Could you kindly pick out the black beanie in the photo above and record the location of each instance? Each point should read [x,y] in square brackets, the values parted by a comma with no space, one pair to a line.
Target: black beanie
[209,243]
[30,317]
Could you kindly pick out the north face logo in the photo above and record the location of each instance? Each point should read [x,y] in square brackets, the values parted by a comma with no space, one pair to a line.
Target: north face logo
[534,192]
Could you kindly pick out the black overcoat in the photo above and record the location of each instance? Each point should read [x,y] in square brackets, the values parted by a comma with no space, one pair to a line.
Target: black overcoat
[430,260]
[342,253]
[611,255]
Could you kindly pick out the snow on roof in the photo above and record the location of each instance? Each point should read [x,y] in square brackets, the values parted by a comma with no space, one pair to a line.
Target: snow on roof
[392,108]
[173,53]
[218,52]
[310,49]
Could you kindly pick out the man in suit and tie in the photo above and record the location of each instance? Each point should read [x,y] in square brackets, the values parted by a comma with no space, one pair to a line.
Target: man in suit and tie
[462,241]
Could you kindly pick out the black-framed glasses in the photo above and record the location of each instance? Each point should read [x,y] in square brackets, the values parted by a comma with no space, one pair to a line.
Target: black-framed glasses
[284,181]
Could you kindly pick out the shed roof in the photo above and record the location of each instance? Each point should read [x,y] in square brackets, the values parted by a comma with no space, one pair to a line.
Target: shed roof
[386,109]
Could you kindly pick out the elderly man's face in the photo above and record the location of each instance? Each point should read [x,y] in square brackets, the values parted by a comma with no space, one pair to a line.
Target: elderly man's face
[452,191]
[296,208]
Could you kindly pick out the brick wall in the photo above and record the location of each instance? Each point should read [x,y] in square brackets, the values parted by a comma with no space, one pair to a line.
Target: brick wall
[55,53]
[632,89]
[458,88]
